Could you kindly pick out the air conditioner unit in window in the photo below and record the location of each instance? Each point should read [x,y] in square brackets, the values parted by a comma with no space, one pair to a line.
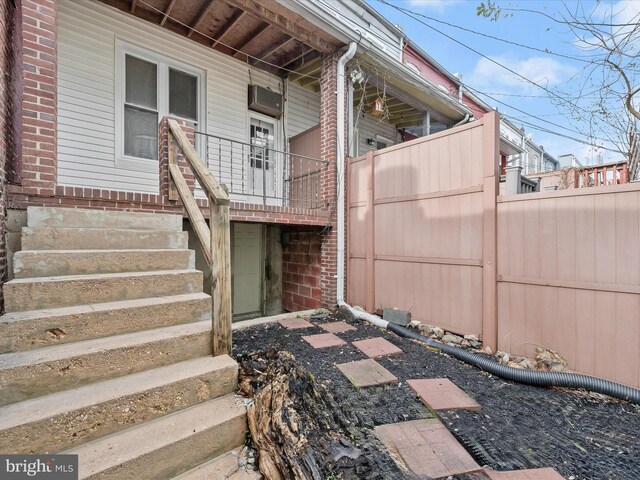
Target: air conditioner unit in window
[265,101]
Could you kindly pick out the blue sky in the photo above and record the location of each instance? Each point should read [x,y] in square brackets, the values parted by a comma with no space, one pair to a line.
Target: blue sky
[526,28]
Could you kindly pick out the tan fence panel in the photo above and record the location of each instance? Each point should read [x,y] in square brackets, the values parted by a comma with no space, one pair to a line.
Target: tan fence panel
[416,229]
[569,278]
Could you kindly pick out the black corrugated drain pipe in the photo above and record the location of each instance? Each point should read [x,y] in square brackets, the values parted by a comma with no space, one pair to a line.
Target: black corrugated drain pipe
[529,377]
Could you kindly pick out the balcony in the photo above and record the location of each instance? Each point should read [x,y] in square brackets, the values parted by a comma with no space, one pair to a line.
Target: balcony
[257,174]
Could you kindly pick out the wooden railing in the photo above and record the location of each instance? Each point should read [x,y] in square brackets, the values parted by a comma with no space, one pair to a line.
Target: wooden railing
[215,241]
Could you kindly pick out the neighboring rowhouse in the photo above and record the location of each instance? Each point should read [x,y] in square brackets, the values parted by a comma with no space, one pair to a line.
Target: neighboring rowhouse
[257,81]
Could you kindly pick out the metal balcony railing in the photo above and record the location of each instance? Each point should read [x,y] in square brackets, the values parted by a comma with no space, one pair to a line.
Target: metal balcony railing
[257,174]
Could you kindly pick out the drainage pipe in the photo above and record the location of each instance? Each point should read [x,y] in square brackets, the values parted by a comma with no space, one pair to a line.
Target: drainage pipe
[340,167]
[529,377]
[463,121]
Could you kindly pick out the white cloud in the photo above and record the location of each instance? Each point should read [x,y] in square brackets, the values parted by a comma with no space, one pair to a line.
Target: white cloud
[623,11]
[547,72]
[618,13]
[438,6]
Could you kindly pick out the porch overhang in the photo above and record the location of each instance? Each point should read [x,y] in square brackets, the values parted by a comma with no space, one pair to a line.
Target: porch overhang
[383,50]
[262,33]
[507,147]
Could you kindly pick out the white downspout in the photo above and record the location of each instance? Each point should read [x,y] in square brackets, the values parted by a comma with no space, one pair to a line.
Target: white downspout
[340,167]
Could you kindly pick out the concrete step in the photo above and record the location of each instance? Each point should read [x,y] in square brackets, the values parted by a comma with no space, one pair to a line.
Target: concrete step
[223,467]
[87,218]
[66,291]
[167,446]
[59,238]
[40,328]
[42,371]
[67,419]
[50,263]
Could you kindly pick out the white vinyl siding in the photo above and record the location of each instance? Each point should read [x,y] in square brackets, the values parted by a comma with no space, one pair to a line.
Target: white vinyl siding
[303,109]
[369,127]
[87,35]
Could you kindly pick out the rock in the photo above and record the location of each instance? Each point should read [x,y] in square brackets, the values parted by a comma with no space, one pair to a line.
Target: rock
[451,338]
[526,363]
[515,365]
[415,324]
[438,332]
[471,338]
[465,343]
[400,317]
[548,360]
[488,350]
[425,329]
[503,356]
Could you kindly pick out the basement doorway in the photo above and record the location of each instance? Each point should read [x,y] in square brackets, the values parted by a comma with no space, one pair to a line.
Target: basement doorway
[247,260]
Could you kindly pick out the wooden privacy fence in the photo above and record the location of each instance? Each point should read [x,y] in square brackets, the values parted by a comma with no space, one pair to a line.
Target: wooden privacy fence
[425,227]
[215,241]
[422,228]
[569,277]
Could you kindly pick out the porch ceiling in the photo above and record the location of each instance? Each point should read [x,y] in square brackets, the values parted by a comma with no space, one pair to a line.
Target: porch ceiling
[262,33]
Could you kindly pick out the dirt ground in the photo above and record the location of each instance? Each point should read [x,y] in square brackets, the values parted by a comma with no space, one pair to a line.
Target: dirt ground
[583,436]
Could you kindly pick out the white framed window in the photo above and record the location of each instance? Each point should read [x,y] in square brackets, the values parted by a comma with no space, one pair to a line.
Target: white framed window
[150,86]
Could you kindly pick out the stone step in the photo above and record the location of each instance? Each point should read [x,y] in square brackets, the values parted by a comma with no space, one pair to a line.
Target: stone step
[50,263]
[87,218]
[70,418]
[42,371]
[40,328]
[60,238]
[224,466]
[66,291]
[167,446]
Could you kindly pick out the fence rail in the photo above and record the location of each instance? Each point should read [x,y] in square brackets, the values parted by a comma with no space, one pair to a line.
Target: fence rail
[259,174]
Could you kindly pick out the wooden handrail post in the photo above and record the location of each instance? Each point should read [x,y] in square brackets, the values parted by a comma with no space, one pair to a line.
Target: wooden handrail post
[220,277]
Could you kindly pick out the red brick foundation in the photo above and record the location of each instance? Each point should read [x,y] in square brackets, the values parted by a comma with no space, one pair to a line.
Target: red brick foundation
[301,271]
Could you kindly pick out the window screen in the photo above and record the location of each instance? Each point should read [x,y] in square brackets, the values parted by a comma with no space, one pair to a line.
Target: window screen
[183,94]
[142,82]
[140,109]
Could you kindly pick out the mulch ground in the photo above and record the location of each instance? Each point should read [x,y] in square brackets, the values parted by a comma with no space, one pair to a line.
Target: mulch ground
[582,436]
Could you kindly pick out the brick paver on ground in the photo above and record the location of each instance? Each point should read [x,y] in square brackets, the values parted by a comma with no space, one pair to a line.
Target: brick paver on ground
[337,327]
[442,394]
[427,448]
[376,347]
[324,340]
[534,474]
[366,373]
[294,323]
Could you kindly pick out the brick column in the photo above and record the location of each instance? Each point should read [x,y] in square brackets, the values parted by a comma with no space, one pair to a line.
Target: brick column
[7,56]
[328,146]
[36,166]
[163,155]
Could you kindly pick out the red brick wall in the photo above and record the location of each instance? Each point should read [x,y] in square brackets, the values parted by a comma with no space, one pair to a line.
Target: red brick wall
[301,271]
[7,52]
[37,69]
